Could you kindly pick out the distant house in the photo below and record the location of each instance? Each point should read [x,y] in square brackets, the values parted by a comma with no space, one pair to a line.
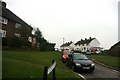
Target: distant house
[115,49]
[91,44]
[68,45]
[87,44]
[12,26]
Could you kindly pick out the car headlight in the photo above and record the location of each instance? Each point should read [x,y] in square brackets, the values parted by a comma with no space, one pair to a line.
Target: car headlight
[77,64]
[92,64]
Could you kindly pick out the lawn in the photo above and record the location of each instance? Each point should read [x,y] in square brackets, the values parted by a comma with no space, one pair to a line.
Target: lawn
[27,64]
[106,59]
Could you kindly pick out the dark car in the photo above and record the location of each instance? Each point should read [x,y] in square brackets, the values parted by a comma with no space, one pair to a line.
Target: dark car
[79,62]
[65,54]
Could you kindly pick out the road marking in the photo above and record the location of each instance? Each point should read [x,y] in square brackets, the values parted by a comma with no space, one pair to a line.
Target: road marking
[82,76]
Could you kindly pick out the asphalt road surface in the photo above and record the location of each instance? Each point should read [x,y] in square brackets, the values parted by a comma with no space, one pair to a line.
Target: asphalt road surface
[101,72]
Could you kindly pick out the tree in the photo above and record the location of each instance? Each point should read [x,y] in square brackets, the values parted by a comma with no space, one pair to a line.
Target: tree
[42,42]
[38,35]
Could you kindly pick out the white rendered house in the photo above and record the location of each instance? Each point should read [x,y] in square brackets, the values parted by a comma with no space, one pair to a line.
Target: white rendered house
[87,44]
[68,45]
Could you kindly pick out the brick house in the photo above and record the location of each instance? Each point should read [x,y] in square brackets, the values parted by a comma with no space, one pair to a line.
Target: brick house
[12,26]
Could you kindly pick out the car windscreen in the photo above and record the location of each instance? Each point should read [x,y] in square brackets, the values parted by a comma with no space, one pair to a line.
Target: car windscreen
[80,57]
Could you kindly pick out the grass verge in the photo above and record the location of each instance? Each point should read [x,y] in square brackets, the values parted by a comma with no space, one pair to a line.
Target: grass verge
[26,64]
[106,59]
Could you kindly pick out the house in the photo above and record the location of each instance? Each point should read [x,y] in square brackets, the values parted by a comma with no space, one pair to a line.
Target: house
[87,45]
[91,44]
[67,45]
[12,26]
[115,49]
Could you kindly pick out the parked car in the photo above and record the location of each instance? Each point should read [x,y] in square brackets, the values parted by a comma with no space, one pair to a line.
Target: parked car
[79,62]
[89,53]
[65,54]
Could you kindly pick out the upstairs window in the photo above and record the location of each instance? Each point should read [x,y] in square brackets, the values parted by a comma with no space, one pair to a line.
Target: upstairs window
[17,25]
[87,44]
[3,20]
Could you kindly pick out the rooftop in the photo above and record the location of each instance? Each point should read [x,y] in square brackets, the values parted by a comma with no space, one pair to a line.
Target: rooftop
[84,41]
[66,44]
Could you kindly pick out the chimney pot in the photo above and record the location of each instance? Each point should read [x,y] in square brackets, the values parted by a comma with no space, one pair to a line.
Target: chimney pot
[4,4]
[90,38]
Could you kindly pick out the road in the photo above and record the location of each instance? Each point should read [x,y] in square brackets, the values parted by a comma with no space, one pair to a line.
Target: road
[101,72]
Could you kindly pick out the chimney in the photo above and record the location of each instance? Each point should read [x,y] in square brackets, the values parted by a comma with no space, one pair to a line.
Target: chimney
[81,40]
[4,4]
[85,38]
[90,38]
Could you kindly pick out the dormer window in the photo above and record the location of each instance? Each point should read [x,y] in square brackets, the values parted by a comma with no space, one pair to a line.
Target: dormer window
[3,20]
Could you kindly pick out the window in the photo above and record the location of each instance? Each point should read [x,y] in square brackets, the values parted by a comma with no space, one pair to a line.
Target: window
[30,39]
[17,25]
[84,48]
[3,20]
[2,33]
[17,35]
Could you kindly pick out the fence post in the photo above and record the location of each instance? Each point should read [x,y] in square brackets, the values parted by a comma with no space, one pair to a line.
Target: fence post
[45,73]
[53,71]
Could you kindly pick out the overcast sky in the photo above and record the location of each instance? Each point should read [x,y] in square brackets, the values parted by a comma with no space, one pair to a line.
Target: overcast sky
[70,19]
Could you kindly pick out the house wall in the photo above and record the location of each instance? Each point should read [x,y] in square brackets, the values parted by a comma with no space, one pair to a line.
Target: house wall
[94,43]
[82,47]
[76,47]
[9,28]
[87,46]
[12,31]
[72,46]
[65,47]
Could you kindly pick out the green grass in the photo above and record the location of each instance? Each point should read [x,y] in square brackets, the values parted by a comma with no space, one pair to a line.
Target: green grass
[106,59]
[26,64]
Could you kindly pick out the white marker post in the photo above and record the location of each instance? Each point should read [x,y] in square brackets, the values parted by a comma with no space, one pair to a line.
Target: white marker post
[48,70]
